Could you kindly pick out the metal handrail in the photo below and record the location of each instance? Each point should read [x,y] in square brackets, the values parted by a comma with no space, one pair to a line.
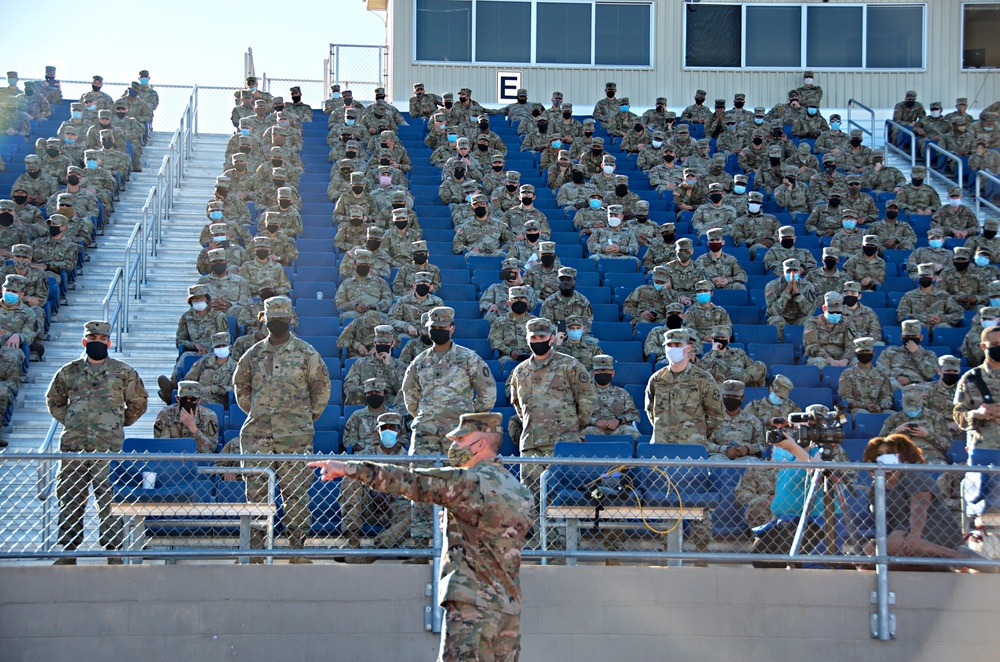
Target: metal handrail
[913,141]
[115,293]
[980,198]
[929,148]
[870,131]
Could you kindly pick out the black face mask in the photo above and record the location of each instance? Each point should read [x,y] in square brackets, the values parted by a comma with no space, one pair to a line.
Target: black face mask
[278,328]
[52,152]
[543,127]
[891,214]
[356,222]
[577,177]
[602,378]
[669,158]
[398,205]
[961,265]
[855,142]
[54,230]
[483,147]
[926,281]
[349,154]
[739,104]
[596,151]
[219,268]
[382,348]
[401,224]
[910,103]
[949,378]
[621,190]
[419,258]
[449,104]
[566,289]
[535,112]
[34,174]
[987,234]
[107,143]
[374,401]
[547,260]
[519,307]
[715,197]
[641,219]
[787,242]
[276,163]
[674,321]
[864,358]
[774,161]
[567,114]
[480,212]
[723,342]
[96,350]
[791,180]
[296,98]
[262,253]
[6,220]
[668,237]
[869,250]
[497,168]
[73,180]
[588,134]
[918,182]
[283,204]
[373,244]
[384,161]
[527,201]
[757,141]
[637,127]
[993,353]
[459,173]
[362,270]
[221,193]
[906,339]
[510,187]
[422,290]
[610,93]
[832,202]
[850,300]
[22,199]
[540,348]
[830,263]
[732,404]
[531,237]
[439,336]
[358,189]
[188,404]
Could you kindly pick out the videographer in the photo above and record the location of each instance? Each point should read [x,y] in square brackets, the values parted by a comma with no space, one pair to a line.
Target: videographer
[918,521]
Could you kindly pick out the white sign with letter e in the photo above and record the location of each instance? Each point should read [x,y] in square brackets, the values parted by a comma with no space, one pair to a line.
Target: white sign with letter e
[508,83]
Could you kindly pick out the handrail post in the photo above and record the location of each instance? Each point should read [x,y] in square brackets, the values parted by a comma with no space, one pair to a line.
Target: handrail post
[889,124]
[930,147]
[881,627]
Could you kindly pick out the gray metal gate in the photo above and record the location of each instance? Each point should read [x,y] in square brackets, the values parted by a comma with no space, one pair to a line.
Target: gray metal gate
[358,68]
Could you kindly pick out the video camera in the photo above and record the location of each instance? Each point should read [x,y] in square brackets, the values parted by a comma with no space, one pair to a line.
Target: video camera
[812,428]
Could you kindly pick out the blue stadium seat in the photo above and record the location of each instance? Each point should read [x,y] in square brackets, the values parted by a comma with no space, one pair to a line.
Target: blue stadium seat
[325,345]
[318,326]
[303,290]
[744,315]
[635,373]
[621,331]
[868,425]
[727,298]
[628,281]
[803,376]
[831,377]
[951,338]
[316,308]
[329,419]
[455,293]
[570,484]
[327,442]
[770,354]
[606,312]
[693,486]
[596,295]
[464,310]
[813,396]
[755,333]
[624,351]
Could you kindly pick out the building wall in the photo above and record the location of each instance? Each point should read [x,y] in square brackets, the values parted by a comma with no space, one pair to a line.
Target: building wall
[158,613]
[942,81]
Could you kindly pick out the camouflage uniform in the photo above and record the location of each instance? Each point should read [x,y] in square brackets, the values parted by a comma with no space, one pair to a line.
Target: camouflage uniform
[950,219]
[765,410]
[168,424]
[722,265]
[911,198]
[864,387]
[862,319]
[918,366]
[785,307]
[685,406]
[683,276]
[886,179]
[228,287]
[372,367]
[777,254]
[356,290]
[559,306]
[980,433]
[798,199]
[215,375]
[702,317]
[860,267]
[937,443]
[544,280]
[887,231]
[612,402]
[361,331]
[920,305]
[732,363]
[754,493]
[827,281]
[94,402]
[743,429]
[824,340]
[646,298]
[283,389]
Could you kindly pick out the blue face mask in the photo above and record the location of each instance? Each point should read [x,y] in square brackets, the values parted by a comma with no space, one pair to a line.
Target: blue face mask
[574,334]
[774,399]
[935,243]
[252,89]
[833,318]
[624,109]
[388,438]
[70,141]
[849,224]
[658,286]
[12,81]
[739,190]
[245,132]
[335,95]
[452,137]
[703,297]
[913,413]
[349,122]
[556,144]
[758,120]
[982,261]
[10,298]
[812,111]
[144,81]
[595,204]
[835,126]
[215,215]
[76,114]
[790,277]
[91,165]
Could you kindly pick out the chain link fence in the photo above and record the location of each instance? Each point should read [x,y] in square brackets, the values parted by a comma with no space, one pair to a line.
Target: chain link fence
[662,509]
[358,68]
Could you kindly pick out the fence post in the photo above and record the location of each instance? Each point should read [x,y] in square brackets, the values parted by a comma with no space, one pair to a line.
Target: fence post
[883,623]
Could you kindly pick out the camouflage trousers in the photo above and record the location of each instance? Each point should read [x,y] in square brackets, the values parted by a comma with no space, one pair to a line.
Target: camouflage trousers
[757,511]
[624,428]
[361,506]
[74,478]
[471,633]
[292,481]
[422,514]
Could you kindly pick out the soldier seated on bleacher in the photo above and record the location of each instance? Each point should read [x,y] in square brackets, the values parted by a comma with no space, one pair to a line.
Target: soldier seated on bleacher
[215,371]
[953,217]
[187,418]
[908,363]
[726,362]
[930,305]
[615,411]
[987,317]
[864,386]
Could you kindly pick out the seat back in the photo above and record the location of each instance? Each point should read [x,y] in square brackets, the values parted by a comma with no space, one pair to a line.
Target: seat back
[574,477]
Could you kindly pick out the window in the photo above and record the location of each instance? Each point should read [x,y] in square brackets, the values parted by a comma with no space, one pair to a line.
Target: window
[807,36]
[980,23]
[566,32]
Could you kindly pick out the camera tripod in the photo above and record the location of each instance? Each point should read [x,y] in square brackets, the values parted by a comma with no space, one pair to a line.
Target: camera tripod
[829,510]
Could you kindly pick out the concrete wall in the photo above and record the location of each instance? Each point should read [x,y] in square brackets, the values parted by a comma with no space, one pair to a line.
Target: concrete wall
[942,80]
[158,613]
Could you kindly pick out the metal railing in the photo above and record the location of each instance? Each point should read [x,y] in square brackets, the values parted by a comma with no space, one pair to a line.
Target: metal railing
[983,176]
[889,145]
[867,130]
[944,155]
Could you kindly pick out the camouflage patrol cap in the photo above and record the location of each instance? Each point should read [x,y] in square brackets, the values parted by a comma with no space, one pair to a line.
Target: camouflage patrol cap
[955,192]
[188,389]
[517,292]
[597,141]
[715,187]
[791,171]
[58,219]
[21,250]
[478,199]
[362,256]
[855,133]
[720,331]
[910,327]
[615,210]
[384,332]
[335,87]
[935,232]
[374,232]
[419,246]
[603,363]
[76,105]
[388,419]
[960,252]
[512,176]
[719,158]
[919,171]
[877,155]
[661,273]
[786,231]
[791,264]
[462,143]
[949,363]
[733,387]
[683,244]
[104,114]
[440,316]
[990,312]
[774,151]
[668,226]
[870,240]
[527,188]
[198,291]
[567,272]
[261,241]
[499,158]
[399,195]
[913,397]
[538,326]
[829,158]
[75,170]
[260,103]
[107,133]
[281,172]
[563,154]
[658,135]
[50,71]
[609,158]
[53,142]
[387,135]
[277,100]
[703,143]
[851,286]
[675,307]
[32,159]
[755,196]
[729,118]
[714,234]
[352,143]
[357,177]
[576,320]
[546,247]
[833,301]
[703,286]
[97,328]
[641,208]
[355,211]
[991,223]
[720,103]
[682,128]
[676,335]
[782,386]
[850,213]
[375,383]
[740,179]
[804,148]
[830,251]
[865,344]
[217,228]
[670,115]
[243,94]
[700,94]
[278,308]
[621,179]
[489,422]
[927,268]
[64,200]
[14,283]
[221,339]
[217,255]
[911,94]
[238,157]
[532,225]
[223,181]
[988,116]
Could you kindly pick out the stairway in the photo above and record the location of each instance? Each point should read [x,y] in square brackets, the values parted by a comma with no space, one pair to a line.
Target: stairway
[148,346]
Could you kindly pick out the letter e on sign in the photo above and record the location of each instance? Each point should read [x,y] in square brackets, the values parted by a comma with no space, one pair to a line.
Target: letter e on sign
[507,84]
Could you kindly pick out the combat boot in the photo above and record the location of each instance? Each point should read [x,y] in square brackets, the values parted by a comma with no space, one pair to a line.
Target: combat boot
[167,387]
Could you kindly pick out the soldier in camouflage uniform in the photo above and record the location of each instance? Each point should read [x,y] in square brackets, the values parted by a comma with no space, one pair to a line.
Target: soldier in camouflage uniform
[856,158]
[526,250]
[195,330]
[892,233]
[954,218]
[725,362]
[927,428]
[481,590]
[507,331]
[714,214]
[691,193]
[439,384]
[35,291]
[932,306]
[187,418]
[615,241]
[935,253]
[543,276]
[593,216]
[917,197]
[94,398]
[825,218]
[940,393]
[404,315]
[965,285]
[57,252]
[283,385]
[408,272]
[378,362]
[647,302]
[776,255]
[829,278]
[229,291]
[721,269]
[848,239]
[576,192]
[703,315]
[909,363]
[614,411]
[754,493]
[567,301]
[977,418]
[862,319]
[494,300]
[812,124]
[794,195]
[867,268]
[777,404]
[515,217]
[666,175]
[381,263]
[577,341]
[790,300]
[234,208]
[621,195]
[359,334]
[754,229]
[863,386]
[683,272]
[653,344]
[214,372]
[740,434]
[363,291]
[987,318]
[481,235]
[988,239]
[827,336]
[262,269]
